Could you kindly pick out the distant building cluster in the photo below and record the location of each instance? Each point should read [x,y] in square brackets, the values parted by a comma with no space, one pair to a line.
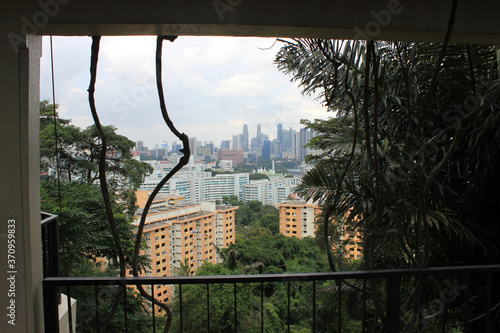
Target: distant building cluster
[289,144]
[197,185]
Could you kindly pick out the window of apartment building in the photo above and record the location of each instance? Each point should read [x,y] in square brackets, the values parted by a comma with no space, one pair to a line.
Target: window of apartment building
[157,246]
[158,262]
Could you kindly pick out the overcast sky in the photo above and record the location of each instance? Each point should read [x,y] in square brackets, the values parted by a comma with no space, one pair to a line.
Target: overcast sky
[212,85]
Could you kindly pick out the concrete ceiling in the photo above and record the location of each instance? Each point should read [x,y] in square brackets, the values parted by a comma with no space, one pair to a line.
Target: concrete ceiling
[426,20]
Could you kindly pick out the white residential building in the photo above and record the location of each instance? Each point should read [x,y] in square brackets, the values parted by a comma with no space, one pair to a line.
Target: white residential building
[269,192]
[193,183]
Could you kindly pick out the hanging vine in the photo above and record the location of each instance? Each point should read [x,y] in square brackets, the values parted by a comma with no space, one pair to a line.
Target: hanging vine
[183,161]
[103,181]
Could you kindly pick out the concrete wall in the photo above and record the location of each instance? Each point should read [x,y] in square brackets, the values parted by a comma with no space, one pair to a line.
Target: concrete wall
[22,21]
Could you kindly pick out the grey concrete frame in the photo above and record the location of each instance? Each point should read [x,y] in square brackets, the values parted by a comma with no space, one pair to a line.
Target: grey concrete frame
[24,21]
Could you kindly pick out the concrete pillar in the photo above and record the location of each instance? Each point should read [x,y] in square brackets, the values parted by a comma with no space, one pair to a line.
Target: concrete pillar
[19,181]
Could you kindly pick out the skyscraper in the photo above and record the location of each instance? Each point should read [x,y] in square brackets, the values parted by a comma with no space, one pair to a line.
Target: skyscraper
[244,141]
[266,150]
[193,146]
[279,135]
[235,142]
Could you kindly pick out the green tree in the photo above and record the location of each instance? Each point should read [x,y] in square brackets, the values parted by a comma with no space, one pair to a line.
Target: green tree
[255,176]
[406,150]
[84,232]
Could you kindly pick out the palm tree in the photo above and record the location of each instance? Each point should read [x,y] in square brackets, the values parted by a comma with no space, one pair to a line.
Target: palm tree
[401,151]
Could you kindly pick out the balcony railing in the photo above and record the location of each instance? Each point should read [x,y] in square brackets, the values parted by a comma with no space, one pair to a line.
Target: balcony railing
[454,296]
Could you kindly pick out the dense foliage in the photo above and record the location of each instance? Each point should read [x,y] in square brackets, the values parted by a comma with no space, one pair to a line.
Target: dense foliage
[253,217]
[413,151]
[267,254]
[86,241]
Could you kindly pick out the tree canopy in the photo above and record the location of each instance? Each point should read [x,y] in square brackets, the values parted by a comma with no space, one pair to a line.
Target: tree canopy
[412,148]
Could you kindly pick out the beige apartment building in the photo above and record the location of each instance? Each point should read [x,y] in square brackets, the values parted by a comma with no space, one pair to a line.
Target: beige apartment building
[297,217]
[177,233]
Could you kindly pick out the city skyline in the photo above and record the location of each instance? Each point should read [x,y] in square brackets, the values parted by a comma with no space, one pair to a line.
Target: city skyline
[213,86]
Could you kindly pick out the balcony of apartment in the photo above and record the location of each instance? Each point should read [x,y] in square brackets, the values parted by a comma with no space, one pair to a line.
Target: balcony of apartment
[23,23]
[457,290]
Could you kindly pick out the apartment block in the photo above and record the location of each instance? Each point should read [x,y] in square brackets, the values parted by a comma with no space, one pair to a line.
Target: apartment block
[269,192]
[183,233]
[193,183]
[351,239]
[297,218]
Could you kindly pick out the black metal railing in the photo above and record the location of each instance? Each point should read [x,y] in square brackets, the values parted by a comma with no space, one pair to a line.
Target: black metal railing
[455,292]
[50,244]
[392,286]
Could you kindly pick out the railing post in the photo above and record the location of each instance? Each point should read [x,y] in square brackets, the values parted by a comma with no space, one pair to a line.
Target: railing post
[393,295]
[50,307]
[53,247]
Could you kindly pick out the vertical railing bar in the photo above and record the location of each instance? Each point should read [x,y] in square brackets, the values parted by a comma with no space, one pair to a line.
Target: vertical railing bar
[208,308]
[288,318]
[153,306]
[262,307]
[125,307]
[96,294]
[50,304]
[363,315]
[393,303]
[52,247]
[444,319]
[70,315]
[339,285]
[235,311]
[44,252]
[180,305]
[55,241]
[489,281]
[467,297]
[314,306]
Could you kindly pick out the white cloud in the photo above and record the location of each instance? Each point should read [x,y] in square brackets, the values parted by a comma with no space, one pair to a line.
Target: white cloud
[241,85]
[212,86]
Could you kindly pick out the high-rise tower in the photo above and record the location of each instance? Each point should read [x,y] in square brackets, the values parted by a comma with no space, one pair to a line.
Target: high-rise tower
[244,141]
[279,136]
